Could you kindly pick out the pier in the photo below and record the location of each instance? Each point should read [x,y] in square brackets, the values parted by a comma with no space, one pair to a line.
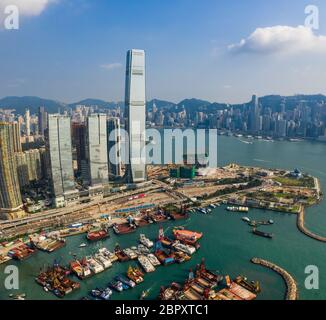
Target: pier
[292,291]
[304,230]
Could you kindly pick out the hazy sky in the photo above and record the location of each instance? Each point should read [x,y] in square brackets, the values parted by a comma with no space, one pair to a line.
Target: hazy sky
[217,50]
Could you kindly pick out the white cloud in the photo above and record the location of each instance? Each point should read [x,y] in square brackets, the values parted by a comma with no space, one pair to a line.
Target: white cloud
[28,7]
[111,66]
[281,39]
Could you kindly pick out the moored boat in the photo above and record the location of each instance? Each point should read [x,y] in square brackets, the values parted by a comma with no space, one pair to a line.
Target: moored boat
[97,235]
[146,264]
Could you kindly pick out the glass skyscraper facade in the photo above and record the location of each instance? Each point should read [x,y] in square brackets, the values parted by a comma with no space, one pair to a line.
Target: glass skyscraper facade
[60,154]
[114,146]
[135,99]
[97,149]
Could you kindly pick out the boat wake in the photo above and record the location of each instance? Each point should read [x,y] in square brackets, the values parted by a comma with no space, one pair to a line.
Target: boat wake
[246,142]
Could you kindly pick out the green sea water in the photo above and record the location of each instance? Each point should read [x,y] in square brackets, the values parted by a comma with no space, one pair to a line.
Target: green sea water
[227,244]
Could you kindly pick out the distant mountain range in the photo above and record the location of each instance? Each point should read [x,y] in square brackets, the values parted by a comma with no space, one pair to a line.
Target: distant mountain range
[52,106]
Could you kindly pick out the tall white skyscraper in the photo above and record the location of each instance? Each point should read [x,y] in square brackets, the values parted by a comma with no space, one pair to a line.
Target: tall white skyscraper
[135,100]
[97,149]
[60,156]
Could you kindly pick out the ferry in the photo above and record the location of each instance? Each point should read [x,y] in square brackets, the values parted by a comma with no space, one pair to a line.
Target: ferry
[187,236]
[126,281]
[153,260]
[146,264]
[145,241]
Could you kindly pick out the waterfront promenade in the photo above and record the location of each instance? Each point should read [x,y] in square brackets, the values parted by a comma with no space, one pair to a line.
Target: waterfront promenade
[291,291]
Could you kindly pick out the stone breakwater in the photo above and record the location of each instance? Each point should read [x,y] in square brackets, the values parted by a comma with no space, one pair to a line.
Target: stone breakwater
[292,291]
[304,230]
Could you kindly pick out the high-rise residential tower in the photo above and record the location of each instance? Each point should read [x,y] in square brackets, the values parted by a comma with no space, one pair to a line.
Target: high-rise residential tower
[10,197]
[114,146]
[97,153]
[42,120]
[27,123]
[135,100]
[60,156]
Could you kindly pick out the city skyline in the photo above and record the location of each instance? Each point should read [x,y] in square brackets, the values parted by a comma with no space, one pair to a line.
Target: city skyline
[289,60]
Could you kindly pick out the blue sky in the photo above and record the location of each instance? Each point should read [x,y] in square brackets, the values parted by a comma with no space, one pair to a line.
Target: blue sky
[73,49]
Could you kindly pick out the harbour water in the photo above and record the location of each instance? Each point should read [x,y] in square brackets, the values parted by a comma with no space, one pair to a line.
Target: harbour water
[227,245]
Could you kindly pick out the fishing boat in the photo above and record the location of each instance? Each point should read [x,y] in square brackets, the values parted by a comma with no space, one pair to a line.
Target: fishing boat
[135,275]
[108,254]
[144,294]
[96,293]
[116,285]
[153,260]
[94,265]
[106,294]
[145,241]
[122,257]
[132,255]
[181,257]
[146,264]
[188,249]
[171,292]
[165,241]
[142,249]
[126,281]
[81,270]
[105,262]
